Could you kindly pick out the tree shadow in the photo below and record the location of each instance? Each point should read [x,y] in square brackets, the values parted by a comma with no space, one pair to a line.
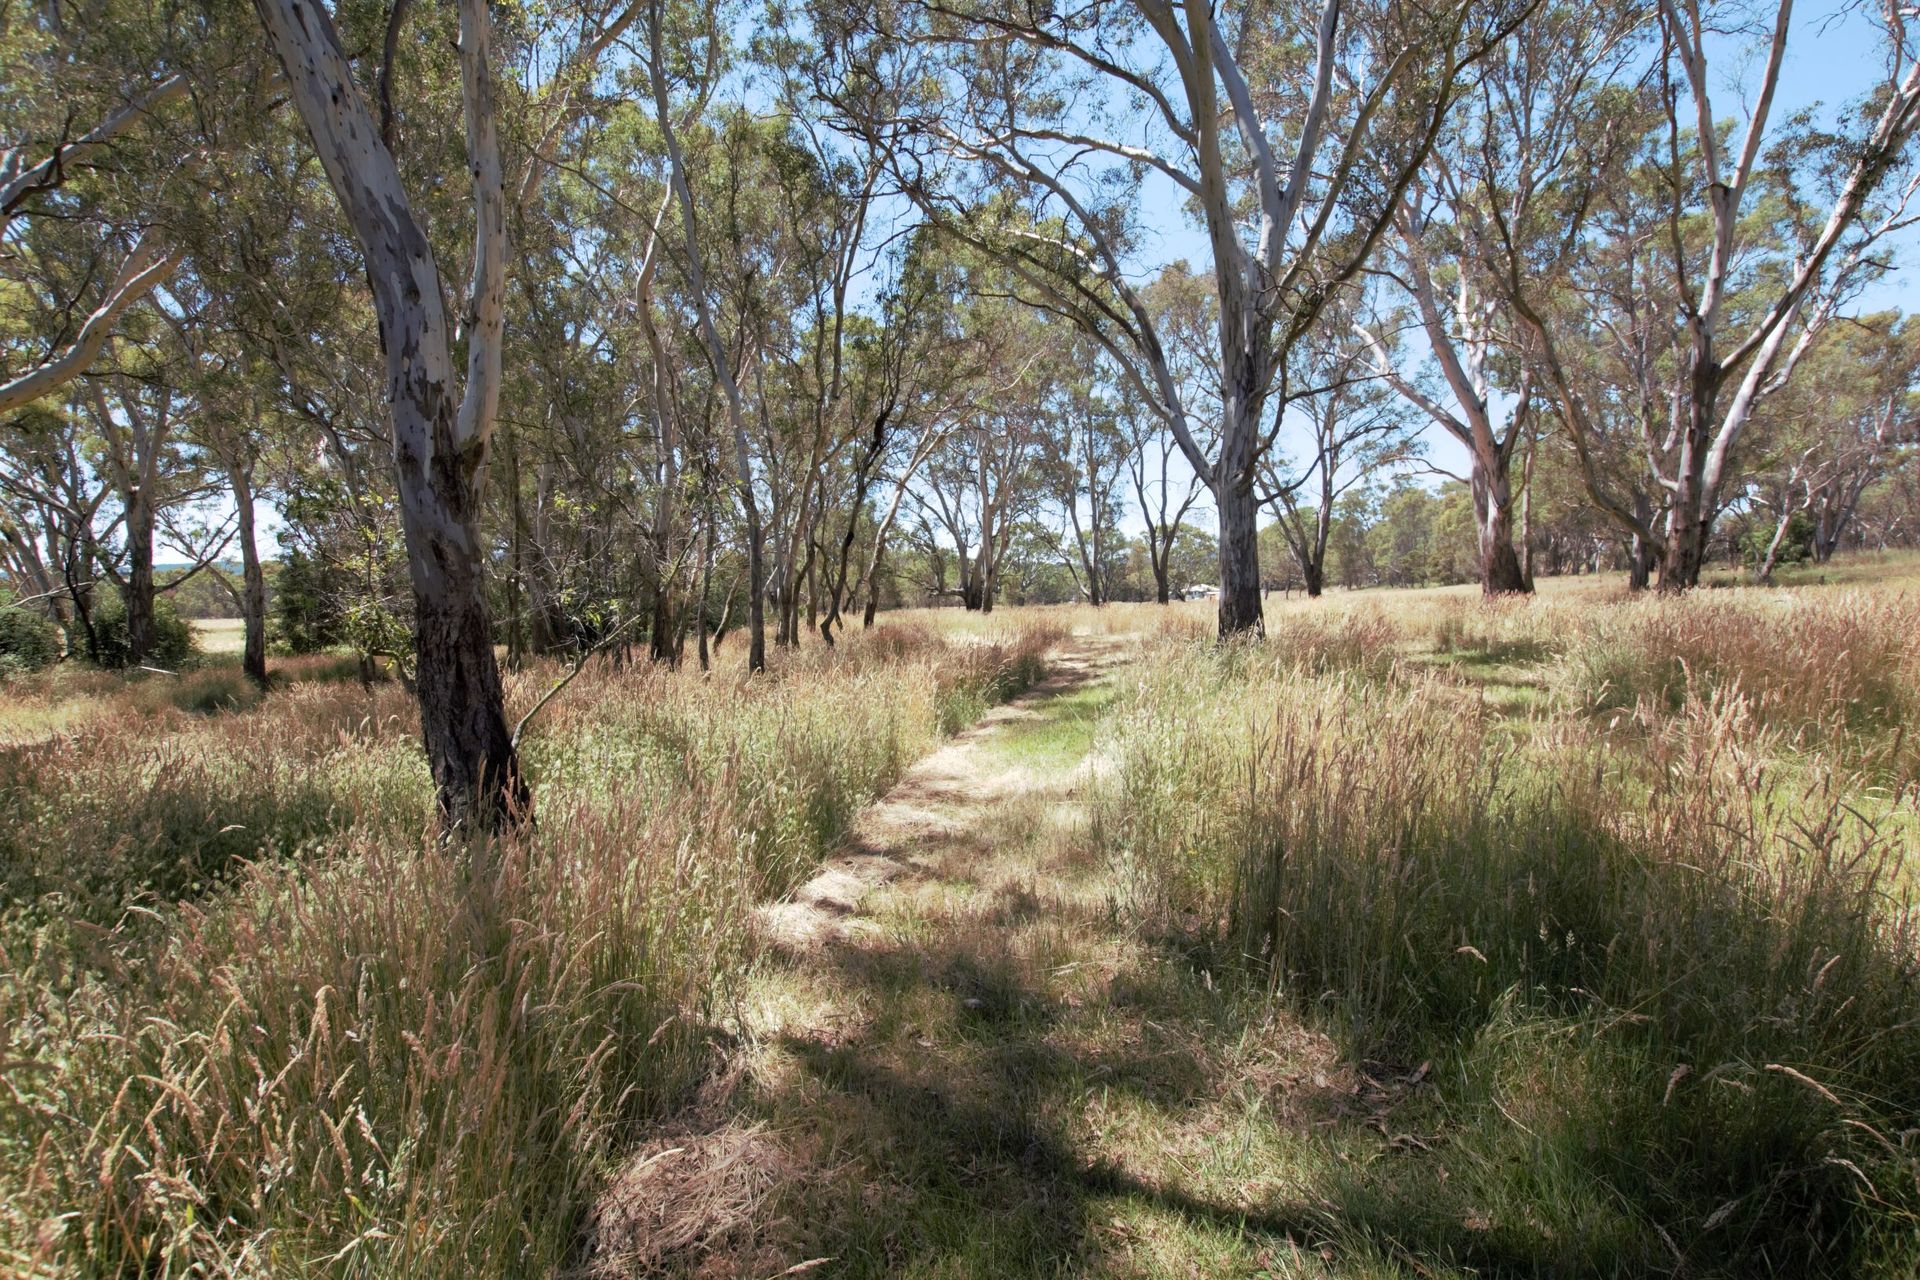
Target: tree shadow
[957,1155]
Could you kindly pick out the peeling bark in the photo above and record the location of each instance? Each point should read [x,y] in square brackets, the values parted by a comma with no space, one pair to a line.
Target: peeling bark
[440,438]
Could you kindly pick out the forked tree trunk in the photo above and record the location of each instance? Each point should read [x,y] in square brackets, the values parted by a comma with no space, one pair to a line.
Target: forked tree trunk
[1771,561]
[662,639]
[439,438]
[1158,553]
[1314,574]
[1689,520]
[1500,570]
[1642,551]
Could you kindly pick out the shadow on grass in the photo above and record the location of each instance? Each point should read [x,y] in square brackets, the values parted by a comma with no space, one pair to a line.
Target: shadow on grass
[997,1078]
[942,1139]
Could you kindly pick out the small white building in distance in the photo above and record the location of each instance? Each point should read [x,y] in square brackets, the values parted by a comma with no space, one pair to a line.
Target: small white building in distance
[1201,591]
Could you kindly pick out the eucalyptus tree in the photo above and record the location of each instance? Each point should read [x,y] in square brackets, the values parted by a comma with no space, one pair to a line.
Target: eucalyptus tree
[1877,434]
[698,45]
[1085,454]
[231,437]
[988,474]
[1761,231]
[229,419]
[1888,514]
[939,368]
[827,197]
[137,414]
[87,165]
[1029,132]
[298,385]
[30,516]
[442,428]
[977,490]
[1837,215]
[441,422]
[1163,492]
[1489,421]
[1358,428]
[1851,416]
[913,454]
[1598,332]
[596,410]
[55,511]
[1491,187]
[99,150]
[1165,488]
[903,370]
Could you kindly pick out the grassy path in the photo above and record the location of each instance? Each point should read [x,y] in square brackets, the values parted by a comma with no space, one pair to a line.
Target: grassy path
[954,1062]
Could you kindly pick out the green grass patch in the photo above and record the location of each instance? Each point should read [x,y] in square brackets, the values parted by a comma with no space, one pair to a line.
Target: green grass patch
[1059,732]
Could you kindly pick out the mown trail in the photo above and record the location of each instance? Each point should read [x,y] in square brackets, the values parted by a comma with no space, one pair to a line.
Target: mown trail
[953,1060]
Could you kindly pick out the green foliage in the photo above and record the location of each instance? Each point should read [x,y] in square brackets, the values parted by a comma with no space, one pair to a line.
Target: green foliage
[28,640]
[173,642]
[203,595]
[1420,536]
[305,616]
[1796,545]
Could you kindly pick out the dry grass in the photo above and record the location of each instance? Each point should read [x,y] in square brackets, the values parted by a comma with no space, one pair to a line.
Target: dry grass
[220,635]
[1653,936]
[1563,936]
[257,1022]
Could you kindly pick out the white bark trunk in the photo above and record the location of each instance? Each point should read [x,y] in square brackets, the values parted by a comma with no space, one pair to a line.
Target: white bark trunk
[440,439]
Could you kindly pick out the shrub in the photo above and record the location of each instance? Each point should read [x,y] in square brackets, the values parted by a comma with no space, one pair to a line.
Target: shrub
[28,641]
[306,616]
[173,636]
[1796,545]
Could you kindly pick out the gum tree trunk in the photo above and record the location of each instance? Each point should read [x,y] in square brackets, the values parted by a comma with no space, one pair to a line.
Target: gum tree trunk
[1690,519]
[1500,569]
[1463,346]
[440,439]
[1237,507]
[139,594]
[1642,552]
[253,581]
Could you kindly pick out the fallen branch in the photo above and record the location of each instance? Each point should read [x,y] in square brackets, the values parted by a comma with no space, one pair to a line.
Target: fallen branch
[579,665]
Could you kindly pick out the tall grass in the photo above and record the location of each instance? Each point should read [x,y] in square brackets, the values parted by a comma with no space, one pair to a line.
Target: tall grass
[257,1022]
[1831,666]
[1668,987]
